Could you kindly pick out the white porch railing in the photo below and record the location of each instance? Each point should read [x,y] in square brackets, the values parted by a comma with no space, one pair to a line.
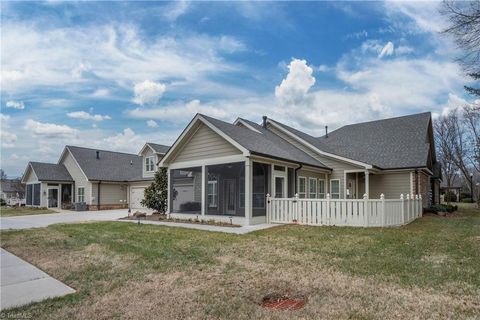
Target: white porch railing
[345,212]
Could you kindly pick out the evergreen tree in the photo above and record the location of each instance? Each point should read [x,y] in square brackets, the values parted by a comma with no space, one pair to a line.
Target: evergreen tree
[155,196]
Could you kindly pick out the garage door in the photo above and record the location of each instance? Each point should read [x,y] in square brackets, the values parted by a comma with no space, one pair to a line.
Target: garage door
[136,195]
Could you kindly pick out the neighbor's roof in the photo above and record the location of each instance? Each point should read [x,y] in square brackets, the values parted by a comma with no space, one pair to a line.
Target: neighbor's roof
[51,171]
[264,143]
[112,166]
[12,185]
[159,148]
[388,144]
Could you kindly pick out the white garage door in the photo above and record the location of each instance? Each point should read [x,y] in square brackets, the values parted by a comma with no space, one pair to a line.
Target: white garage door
[136,195]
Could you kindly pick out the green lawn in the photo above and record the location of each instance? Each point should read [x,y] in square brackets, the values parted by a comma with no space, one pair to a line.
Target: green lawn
[22,211]
[427,270]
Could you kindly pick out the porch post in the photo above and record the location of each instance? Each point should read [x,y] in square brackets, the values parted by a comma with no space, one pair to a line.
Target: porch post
[248,191]
[169,187]
[204,179]
[367,184]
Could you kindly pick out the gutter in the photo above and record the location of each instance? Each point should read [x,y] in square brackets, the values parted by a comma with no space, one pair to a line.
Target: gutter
[98,194]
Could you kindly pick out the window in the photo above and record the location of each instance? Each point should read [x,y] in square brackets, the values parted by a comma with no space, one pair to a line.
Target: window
[149,164]
[321,189]
[259,185]
[212,191]
[186,190]
[335,189]
[302,188]
[81,194]
[279,168]
[312,188]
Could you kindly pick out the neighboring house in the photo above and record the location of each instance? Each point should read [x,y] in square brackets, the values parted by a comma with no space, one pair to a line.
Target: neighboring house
[456,187]
[99,178]
[12,191]
[223,171]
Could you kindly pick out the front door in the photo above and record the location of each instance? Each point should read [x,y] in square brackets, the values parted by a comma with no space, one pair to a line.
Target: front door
[230,191]
[280,188]
[53,197]
[352,189]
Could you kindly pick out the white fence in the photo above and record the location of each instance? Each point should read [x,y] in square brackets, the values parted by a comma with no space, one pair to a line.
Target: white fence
[345,212]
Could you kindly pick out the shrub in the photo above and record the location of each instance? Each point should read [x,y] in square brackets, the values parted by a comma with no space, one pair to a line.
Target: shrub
[155,195]
[2,202]
[467,200]
[450,196]
[442,208]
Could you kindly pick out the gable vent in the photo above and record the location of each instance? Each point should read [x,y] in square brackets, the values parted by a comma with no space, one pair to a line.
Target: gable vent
[98,154]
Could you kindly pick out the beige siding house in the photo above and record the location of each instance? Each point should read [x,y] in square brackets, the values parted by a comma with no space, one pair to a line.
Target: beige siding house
[224,171]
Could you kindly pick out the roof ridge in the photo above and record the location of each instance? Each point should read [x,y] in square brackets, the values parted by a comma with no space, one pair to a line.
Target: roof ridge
[386,119]
[131,154]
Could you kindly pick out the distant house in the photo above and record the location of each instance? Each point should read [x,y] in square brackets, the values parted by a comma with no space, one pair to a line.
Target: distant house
[100,179]
[222,171]
[12,191]
[455,187]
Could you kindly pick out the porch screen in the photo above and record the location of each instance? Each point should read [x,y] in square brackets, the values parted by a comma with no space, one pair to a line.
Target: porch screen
[225,189]
[260,188]
[186,190]
[36,194]
[29,197]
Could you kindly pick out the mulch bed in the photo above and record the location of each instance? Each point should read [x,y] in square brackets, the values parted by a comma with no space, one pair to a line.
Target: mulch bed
[163,217]
[277,301]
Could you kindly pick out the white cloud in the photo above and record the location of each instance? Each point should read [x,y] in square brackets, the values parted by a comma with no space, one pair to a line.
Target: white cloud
[148,92]
[100,93]
[403,50]
[174,10]
[49,129]
[87,116]
[152,124]
[15,104]
[8,139]
[387,50]
[295,86]
[124,140]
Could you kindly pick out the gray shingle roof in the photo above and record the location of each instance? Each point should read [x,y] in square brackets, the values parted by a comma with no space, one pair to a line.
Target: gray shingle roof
[390,143]
[112,166]
[51,171]
[159,148]
[12,186]
[265,143]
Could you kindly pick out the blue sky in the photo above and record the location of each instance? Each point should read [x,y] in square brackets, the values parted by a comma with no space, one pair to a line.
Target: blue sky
[116,74]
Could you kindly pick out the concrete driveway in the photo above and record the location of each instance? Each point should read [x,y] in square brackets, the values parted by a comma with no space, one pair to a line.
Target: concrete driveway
[22,283]
[44,220]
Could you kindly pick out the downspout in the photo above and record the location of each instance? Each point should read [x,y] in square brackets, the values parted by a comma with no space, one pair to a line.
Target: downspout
[296,179]
[98,194]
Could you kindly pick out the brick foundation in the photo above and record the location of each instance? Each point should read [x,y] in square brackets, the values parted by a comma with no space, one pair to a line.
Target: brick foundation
[94,207]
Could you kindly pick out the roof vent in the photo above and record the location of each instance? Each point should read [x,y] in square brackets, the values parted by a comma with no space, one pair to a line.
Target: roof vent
[264,124]
[131,162]
[326,131]
[98,154]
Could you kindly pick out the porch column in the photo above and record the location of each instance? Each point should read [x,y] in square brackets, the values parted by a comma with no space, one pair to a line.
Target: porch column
[367,184]
[204,179]
[169,186]
[248,191]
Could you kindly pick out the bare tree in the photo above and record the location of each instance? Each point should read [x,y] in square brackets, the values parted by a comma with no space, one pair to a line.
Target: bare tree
[445,147]
[3,175]
[471,116]
[464,20]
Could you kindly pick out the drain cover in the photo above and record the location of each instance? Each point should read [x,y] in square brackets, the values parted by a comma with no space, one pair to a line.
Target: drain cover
[277,301]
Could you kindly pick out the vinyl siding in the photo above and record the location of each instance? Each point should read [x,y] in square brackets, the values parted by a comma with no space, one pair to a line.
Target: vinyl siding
[205,143]
[109,193]
[31,177]
[78,176]
[391,185]
[337,166]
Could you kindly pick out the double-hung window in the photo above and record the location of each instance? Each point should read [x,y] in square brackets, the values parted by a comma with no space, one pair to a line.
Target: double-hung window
[212,191]
[321,189]
[302,187]
[80,194]
[312,188]
[335,188]
[149,164]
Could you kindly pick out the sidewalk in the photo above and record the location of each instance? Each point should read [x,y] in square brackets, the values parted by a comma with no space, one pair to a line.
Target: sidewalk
[22,283]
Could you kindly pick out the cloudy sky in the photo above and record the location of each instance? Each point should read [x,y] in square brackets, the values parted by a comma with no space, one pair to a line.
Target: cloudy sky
[114,75]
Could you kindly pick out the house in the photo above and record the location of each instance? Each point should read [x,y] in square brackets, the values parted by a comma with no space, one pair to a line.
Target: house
[12,191]
[224,171]
[455,187]
[99,178]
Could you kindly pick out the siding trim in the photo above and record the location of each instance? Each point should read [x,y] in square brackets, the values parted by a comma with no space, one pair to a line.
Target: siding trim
[76,162]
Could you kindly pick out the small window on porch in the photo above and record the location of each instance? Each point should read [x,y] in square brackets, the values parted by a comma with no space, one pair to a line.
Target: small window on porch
[212,191]
[279,168]
[312,188]
[335,189]
[302,188]
[321,189]
[81,194]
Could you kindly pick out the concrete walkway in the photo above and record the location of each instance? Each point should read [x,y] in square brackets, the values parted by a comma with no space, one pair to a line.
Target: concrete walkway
[206,227]
[22,283]
[44,220]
